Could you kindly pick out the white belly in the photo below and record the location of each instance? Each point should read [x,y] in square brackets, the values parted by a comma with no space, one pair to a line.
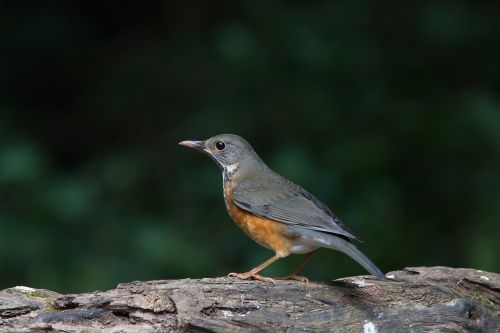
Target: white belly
[302,248]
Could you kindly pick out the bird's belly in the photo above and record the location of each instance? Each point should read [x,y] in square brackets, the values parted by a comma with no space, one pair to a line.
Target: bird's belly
[270,234]
[298,248]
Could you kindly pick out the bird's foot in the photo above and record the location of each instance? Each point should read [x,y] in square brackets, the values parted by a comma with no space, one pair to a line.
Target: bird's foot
[294,277]
[250,276]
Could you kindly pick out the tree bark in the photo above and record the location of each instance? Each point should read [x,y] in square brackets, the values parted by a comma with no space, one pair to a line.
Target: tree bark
[422,299]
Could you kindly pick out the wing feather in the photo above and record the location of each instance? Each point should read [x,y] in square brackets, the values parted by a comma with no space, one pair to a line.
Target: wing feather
[281,200]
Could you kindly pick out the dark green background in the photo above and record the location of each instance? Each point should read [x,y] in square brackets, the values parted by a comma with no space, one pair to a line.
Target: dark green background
[387,111]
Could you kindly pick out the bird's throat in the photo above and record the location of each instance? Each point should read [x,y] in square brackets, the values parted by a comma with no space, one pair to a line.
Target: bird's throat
[230,171]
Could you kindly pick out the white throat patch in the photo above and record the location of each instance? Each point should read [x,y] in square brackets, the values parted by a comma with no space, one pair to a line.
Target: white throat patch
[231,168]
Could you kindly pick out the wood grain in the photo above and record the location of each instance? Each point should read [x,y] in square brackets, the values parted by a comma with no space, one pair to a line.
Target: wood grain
[421,299]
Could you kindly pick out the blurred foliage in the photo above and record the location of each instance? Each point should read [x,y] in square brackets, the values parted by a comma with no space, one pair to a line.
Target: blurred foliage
[387,111]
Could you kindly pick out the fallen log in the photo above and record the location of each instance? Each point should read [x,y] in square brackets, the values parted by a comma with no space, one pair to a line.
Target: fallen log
[419,299]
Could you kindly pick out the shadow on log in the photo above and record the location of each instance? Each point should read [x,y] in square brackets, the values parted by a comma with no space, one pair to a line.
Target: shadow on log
[422,299]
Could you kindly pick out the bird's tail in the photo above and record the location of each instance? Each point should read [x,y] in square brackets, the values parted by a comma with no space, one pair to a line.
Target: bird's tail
[352,251]
[340,244]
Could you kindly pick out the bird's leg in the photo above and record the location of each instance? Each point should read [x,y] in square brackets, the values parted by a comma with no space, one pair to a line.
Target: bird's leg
[294,275]
[252,274]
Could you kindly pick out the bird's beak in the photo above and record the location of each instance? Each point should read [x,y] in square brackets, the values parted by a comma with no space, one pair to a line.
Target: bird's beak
[198,145]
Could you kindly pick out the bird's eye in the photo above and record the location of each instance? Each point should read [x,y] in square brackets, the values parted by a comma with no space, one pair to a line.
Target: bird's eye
[220,145]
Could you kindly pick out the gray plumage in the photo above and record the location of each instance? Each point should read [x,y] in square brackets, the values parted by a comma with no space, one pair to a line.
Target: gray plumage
[275,197]
[312,222]
[264,193]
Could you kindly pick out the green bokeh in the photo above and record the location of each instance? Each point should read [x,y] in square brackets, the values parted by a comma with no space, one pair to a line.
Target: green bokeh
[388,112]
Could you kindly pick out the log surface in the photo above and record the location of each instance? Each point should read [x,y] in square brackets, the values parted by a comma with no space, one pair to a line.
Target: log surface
[418,299]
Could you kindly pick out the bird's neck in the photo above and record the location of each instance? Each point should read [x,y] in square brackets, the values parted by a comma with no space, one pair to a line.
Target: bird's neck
[231,173]
[237,172]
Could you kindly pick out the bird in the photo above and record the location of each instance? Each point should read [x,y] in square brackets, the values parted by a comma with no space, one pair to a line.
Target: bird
[274,211]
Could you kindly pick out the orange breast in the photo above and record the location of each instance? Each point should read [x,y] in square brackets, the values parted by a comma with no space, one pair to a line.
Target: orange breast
[268,233]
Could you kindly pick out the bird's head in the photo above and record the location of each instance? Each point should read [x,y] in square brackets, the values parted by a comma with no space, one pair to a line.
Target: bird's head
[232,153]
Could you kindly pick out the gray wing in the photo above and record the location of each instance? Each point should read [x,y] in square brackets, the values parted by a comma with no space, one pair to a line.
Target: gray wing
[279,199]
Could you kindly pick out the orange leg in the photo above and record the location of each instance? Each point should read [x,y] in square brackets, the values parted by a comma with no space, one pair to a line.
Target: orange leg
[294,275]
[252,274]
